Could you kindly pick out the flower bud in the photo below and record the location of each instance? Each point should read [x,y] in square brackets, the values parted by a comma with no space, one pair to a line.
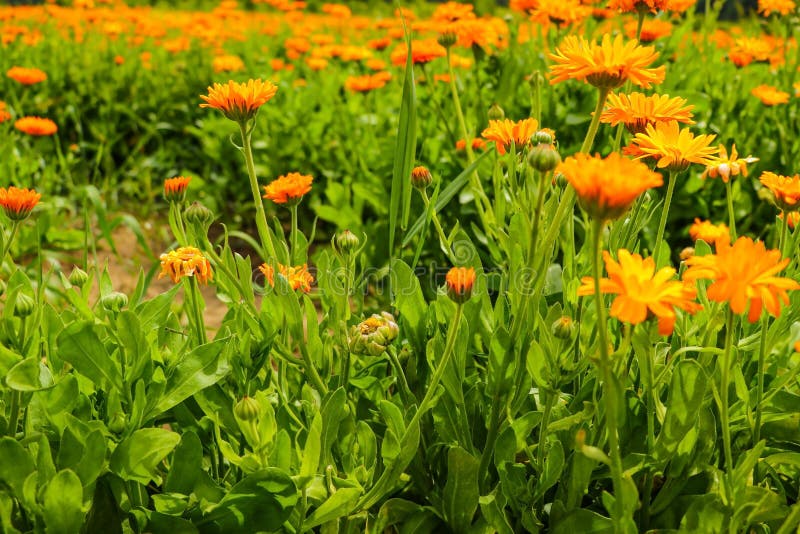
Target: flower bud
[78,277]
[496,113]
[563,328]
[197,214]
[460,281]
[447,39]
[118,423]
[543,137]
[24,305]
[347,242]
[248,409]
[421,177]
[175,188]
[372,336]
[114,301]
[544,157]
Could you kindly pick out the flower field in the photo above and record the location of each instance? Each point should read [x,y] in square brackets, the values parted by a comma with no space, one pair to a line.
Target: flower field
[446,267]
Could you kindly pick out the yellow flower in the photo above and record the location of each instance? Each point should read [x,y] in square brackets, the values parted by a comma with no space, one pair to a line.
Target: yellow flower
[506,131]
[298,276]
[724,167]
[186,261]
[239,101]
[785,189]
[709,232]
[674,148]
[636,110]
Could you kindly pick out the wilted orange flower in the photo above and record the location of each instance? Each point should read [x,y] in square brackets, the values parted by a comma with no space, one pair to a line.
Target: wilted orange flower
[239,101]
[607,187]
[652,29]
[674,148]
[636,110]
[227,63]
[608,65]
[175,188]
[476,144]
[506,131]
[422,51]
[770,96]
[742,274]
[298,277]
[186,261]
[709,232]
[792,218]
[460,281]
[641,291]
[288,189]
[368,82]
[724,167]
[636,5]
[18,203]
[26,76]
[767,7]
[785,189]
[36,126]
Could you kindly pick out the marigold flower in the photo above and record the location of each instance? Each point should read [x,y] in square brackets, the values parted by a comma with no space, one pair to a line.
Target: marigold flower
[239,101]
[18,203]
[770,96]
[785,189]
[506,131]
[26,76]
[288,189]
[561,12]
[709,232]
[783,7]
[724,167]
[36,126]
[460,281]
[421,177]
[745,50]
[372,336]
[4,114]
[607,65]
[186,261]
[368,82]
[637,5]
[175,188]
[607,187]
[744,273]
[227,63]
[298,277]
[674,148]
[422,51]
[651,30]
[637,110]
[641,291]
[476,144]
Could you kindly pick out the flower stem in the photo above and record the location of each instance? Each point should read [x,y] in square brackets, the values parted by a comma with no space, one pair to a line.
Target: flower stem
[437,224]
[294,256]
[194,296]
[723,392]
[762,355]
[591,133]
[731,217]
[6,245]
[664,212]
[261,217]
[784,226]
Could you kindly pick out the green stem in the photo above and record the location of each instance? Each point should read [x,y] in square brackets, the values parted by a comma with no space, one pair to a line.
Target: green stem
[552,396]
[6,245]
[194,296]
[591,133]
[294,257]
[723,392]
[261,217]
[784,226]
[491,437]
[762,355]
[405,391]
[344,372]
[437,224]
[662,224]
[731,216]
[646,367]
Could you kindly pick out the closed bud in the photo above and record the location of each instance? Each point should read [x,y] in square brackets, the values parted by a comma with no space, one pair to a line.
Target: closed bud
[175,188]
[447,39]
[460,282]
[24,305]
[78,277]
[118,423]
[563,328]
[544,157]
[248,409]
[114,301]
[347,242]
[543,137]
[197,214]
[496,113]
[421,177]
[560,180]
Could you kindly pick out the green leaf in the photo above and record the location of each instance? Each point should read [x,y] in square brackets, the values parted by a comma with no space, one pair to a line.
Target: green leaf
[552,469]
[104,516]
[79,345]
[137,350]
[313,448]
[337,505]
[62,507]
[29,375]
[409,302]
[159,523]
[187,463]
[460,496]
[15,466]
[137,457]
[686,393]
[583,521]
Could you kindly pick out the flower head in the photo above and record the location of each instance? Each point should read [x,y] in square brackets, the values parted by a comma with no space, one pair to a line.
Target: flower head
[767,7]
[506,131]
[422,51]
[607,187]
[769,95]
[368,82]
[724,166]
[36,126]
[175,188]
[476,144]
[608,65]
[641,291]
[637,5]
[674,148]
[227,63]
[4,114]
[636,111]
[288,189]
[652,29]
[785,189]
[298,276]
[18,203]
[186,261]
[26,76]
[709,232]
[421,177]
[372,336]
[743,274]
[459,281]
[239,101]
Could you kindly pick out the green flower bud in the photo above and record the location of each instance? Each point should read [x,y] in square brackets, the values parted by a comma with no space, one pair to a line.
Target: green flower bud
[372,336]
[563,328]
[496,113]
[542,137]
[347,242]
[118,423]
[197,214]
[114,301]
[421,177]
[543,158]
[78,277]
[447,39]
[248,409]
[24,305]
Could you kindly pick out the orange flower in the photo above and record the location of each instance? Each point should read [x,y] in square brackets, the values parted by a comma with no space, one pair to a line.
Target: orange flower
[651,30]
[368,82]
[175,188]
[421,177]
[709,232]
[767,7]
[476,144]
[460,281]
[506,131]
[288,189]
[608,65]
[636,5]
[36,126]
[725,167]
[636,110]
[785,189]
[561,12]
[745,50]
[186,261]
[674,148]
[18,203]
[239,101]
[742,274]
[792,218]
[422,51]
[642,292]
[298,277]
[770,96]
[607,187]
[4,114]
[227,63]
[26,76]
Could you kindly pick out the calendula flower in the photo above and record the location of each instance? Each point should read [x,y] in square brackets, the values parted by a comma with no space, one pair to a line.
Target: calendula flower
[792,218]
[674,148]
[239,101]
[298,276]
[18,203]
[421,177]
[36,126]
[26,76]
[770,96]
[745,50]
[422,51]
[506,131]
[476,144]
[636,110]
[651,30]
[4,114]
[288,189]
[607,65]
[372,336]
[607,187]
[743,274]
[641,291]
[783,7]
[785,189]
[186,261]
[709,232]
[227,63]
[561,12]
[724,167]
[460,282]
[175,188]
[368,82]
[638,5]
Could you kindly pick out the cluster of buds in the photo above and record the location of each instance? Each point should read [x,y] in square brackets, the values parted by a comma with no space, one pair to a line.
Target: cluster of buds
[543,155]
[372,336]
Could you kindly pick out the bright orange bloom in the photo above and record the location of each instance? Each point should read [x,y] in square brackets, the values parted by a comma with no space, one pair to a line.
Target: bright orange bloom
[239,101]
[36,126]
[770,96]
[4,114]
[18,203]
[561,12]
[186,261]
[608,65]
[506,131]
[476,144]
[652,29]
[785,189]
[674,148]
[298,277]
[175,188]
[636,110]
[607,187]
[767,7]
[368,82]
[742,274]
[460,281]
[724,167]
[26,76]
[421,177]
[642,292]
[422,51]
[792,218]
[709,232]
[288,189]
[745,50]
[227,63]
[636,5]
